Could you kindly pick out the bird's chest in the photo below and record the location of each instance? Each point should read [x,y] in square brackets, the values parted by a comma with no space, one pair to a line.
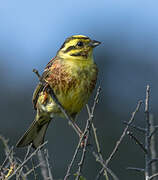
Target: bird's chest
[74,86]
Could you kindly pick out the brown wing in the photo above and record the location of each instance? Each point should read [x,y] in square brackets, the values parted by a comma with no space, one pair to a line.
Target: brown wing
[41,86]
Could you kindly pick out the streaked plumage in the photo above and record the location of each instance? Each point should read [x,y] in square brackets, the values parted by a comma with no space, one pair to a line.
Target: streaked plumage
[72,74]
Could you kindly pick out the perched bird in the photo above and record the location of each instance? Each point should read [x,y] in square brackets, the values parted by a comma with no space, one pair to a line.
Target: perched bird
[72,75]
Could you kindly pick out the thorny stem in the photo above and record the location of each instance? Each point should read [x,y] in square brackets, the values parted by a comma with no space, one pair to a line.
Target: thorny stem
[44,170]
[80,164]
[147,135]
[98,148]
[150,131]
[135,169]
[96,139]
[137,141]
[121,138]
[27,153]
[124,133]
[33,168]
[140,129]
[153,176]
[98,155]
[153,131]
[7,157]
[153,146]
[102,162]
[48,165]
[89,124]
[86,132]
[9,152]
[74,157]
[24,162]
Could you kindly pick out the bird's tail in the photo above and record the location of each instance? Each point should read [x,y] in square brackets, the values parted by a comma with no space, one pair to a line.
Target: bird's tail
[35,133]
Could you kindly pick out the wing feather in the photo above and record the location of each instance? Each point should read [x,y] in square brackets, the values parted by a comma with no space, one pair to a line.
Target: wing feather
[41,86]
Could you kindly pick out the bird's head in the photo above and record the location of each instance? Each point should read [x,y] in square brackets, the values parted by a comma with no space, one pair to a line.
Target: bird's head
[77,47]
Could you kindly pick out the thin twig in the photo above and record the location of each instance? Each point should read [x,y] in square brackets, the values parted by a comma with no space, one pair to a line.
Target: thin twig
[124,133]
[153,161]
[98,148]
[140,129]
[31,170]
[153,176]
[135,169]
[74,157]
[96,139]
[137,141]
[24,162]
[44,170]
[7,157]
[48,165]
[87,129]
[80,164]
[83,135]
[27,153]
[101,161]
[153,132]
[121,138]
[8,151]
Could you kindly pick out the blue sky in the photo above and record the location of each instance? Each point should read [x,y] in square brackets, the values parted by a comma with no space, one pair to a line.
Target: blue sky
[32,31]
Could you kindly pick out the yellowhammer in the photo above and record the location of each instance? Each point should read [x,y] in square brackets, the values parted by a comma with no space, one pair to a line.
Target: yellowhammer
[72,75]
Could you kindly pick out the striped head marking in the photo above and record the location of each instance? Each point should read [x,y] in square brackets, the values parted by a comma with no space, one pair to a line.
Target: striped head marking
[78,46]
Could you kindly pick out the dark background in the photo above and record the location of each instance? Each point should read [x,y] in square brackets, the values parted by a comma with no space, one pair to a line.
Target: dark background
[31,33]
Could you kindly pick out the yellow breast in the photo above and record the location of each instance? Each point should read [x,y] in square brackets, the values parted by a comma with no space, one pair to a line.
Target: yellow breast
[72,83]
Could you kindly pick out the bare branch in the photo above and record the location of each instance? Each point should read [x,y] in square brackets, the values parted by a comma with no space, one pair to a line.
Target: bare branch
[153,176]
[124,133]
[7,157]
[80,164]
[73,158]
[8,151]
[121,138]
[102,162]
[31,170]
[87,129]
[147,135]
[86,133]
[140,129]
[48,165]
[24,162]
[153,161]
[43,166]
[135,169]
[98,148]
[153,132]
[153,146]
[27,153]
[137,141]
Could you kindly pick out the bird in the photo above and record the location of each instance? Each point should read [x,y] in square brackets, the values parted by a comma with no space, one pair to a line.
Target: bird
[72,74]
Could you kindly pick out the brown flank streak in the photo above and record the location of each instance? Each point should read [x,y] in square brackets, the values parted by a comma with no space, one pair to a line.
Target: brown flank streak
[60,79]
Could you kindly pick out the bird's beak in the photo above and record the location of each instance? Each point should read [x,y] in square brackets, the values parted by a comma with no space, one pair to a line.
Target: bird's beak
[94,43]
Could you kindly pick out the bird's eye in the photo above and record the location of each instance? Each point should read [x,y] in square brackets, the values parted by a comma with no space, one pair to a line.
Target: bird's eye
[80,43]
